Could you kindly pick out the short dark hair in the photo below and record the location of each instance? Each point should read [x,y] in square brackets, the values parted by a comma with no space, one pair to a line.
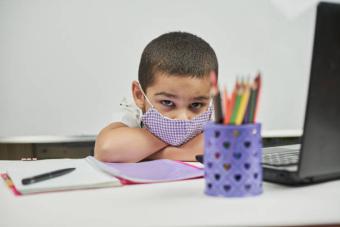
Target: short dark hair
[179,53]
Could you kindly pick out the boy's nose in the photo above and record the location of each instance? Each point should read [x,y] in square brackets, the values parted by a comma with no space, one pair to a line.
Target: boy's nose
[183,115]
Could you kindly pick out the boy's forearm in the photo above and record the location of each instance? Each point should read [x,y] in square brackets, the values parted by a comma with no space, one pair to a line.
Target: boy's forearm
[118,143]
[186,152]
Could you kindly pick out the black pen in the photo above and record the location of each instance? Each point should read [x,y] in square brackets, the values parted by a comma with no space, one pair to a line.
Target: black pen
[46,176]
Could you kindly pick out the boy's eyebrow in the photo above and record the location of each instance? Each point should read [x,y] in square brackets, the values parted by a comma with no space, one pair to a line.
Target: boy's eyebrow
[199,98]
[166,94]
[202,98]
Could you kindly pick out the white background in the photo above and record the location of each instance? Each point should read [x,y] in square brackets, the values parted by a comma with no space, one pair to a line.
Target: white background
[65,65]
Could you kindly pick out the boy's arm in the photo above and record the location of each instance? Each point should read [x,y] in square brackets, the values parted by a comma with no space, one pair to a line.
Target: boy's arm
[119,143]
[185,152]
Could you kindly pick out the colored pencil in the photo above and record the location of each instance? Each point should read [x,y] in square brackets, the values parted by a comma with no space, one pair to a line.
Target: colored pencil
[231,104]
[258,92]
[226,102]
[251,105]
[243,104]
[236,105]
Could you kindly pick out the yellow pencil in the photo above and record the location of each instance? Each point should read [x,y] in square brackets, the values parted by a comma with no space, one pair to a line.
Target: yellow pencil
[243,105]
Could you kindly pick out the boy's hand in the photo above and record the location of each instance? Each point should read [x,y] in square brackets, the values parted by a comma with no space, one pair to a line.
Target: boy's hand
[185,152]
[119,143]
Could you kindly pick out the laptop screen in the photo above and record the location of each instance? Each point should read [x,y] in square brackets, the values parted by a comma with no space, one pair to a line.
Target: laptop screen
[321,139]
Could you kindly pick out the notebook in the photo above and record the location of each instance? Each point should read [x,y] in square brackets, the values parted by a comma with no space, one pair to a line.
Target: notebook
[162,170]
[317,158]
[91,173]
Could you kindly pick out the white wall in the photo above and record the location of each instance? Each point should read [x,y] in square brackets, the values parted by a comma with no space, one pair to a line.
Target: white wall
[65,65]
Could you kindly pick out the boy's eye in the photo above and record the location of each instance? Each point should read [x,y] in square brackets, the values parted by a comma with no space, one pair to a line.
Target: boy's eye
[167,103]
[196,105]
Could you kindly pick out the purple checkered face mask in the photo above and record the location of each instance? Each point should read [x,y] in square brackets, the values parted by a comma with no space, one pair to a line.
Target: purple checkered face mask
[174,132]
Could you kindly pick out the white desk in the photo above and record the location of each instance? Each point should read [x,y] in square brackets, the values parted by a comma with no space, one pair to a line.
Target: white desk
[171,204]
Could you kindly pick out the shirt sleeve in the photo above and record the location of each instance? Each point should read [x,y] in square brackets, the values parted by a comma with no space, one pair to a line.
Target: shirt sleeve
[131,114]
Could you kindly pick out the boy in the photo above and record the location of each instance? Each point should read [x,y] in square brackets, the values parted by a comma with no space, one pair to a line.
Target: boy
[173,94]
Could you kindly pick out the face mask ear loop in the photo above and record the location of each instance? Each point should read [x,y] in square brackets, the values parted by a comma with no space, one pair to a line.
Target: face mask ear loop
[211,102]
[141,89]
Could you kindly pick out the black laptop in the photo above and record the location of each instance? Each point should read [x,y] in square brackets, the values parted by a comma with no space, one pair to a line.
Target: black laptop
[317,158]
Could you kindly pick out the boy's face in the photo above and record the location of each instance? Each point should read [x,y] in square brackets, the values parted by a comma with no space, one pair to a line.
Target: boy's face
[176,97]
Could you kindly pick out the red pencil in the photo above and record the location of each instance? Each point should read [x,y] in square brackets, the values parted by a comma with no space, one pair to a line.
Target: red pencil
[258,83]
[231,103]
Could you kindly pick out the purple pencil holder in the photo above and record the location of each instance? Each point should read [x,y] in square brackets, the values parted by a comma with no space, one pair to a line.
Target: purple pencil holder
[232,160]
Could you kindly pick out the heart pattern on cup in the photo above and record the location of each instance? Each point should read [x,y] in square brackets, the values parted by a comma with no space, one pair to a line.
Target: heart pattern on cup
[237,177]
[247,187]
[226,188]
[236,133]
[237,155]
[226,145]
[226,166]
[247,165]
[247,144]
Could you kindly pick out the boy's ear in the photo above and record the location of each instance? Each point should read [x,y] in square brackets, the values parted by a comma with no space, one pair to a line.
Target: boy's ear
[138,95]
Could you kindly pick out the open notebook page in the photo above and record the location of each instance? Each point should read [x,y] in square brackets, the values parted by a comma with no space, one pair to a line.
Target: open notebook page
[84,176]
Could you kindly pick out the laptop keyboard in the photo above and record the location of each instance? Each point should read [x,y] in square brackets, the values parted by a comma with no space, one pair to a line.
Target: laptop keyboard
[278,156]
